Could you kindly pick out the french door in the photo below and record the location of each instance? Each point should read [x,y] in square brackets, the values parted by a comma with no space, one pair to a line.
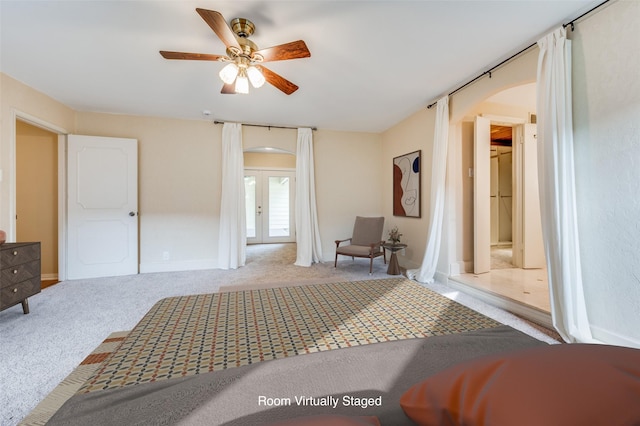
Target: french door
[270,206]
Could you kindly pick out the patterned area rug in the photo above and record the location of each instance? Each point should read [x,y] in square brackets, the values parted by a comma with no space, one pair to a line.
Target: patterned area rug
[74,381]
[182,336]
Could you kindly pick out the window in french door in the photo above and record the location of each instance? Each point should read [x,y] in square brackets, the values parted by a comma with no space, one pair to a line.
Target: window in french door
[270,206]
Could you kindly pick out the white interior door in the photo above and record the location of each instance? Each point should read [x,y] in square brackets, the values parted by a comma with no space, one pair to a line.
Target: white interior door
[102,206]
[482,196]
[270,206]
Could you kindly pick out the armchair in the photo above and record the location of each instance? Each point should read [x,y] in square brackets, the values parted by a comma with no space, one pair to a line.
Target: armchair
[365,242]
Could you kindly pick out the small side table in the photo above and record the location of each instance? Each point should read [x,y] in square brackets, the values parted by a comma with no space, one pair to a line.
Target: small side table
[394,268]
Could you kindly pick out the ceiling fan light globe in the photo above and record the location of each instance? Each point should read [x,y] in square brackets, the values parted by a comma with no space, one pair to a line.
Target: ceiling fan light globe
[229,73]
[242,85]
[256,77]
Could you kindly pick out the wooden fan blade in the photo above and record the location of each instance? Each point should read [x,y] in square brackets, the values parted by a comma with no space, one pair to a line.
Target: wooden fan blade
[278,81]
[192,56]
[219,26]
[293,50]
[228,89]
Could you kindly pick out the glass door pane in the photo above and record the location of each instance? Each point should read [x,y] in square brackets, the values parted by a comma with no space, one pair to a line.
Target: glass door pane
[269,201]
[279,220]
[251,193]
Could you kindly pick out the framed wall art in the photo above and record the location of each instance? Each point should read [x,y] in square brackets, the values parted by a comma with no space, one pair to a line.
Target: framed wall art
[406,185]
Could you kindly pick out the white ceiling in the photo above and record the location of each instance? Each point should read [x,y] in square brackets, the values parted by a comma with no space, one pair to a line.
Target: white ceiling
[372,64]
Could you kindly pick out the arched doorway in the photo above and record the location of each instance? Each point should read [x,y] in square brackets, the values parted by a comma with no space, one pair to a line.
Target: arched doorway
[511,111]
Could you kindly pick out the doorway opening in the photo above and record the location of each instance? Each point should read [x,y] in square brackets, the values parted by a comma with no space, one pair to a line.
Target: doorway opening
[270,195]
[37,194]
[501,197]
[507,261]
[270,206]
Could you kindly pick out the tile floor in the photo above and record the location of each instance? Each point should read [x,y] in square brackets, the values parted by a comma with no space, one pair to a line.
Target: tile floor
[526,286]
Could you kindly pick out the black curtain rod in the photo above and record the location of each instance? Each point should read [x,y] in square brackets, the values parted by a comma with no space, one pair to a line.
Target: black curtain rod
[518,54]
[585,14]
[264,125]
[486,72]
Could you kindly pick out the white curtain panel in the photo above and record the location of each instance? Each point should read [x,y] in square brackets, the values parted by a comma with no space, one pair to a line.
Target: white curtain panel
[426,272]
[233,232]
[309,248]
[557,188]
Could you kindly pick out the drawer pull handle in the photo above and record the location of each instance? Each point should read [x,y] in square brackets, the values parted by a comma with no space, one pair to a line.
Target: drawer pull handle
[15,271]
[15,290]
[15,252]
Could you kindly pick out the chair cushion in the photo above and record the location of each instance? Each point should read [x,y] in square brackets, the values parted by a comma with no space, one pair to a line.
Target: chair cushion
[367,230]
[354,250]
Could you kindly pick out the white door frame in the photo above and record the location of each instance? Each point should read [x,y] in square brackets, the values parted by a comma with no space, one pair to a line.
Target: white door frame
[505,121]
[481,195]
[62,183]
[265,210]
[528,249]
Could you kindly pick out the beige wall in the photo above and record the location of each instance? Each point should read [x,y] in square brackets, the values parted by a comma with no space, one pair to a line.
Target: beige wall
[37,192]
[268,160]
[180,182]
[20,100]
[348,182]
[412,134]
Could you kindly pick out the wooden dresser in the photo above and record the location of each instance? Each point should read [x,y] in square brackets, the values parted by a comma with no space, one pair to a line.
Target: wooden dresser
[19,274]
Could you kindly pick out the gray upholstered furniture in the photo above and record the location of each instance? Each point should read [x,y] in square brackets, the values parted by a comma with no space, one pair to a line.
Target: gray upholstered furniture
[366,241]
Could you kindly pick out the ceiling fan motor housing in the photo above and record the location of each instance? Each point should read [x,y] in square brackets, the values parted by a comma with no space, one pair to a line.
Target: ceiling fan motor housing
[242,27]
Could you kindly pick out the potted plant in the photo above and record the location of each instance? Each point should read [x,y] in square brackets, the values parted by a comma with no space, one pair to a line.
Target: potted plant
[394,235]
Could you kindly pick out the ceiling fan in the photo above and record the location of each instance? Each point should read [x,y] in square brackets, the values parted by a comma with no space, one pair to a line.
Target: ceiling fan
[244,59]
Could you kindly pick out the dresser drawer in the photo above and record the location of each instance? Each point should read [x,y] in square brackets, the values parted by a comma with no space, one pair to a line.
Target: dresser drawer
[18,273]
[15,254]
[16,293]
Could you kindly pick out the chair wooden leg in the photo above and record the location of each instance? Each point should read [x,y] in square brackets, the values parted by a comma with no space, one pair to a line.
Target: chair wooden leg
[335,264]
[370,265]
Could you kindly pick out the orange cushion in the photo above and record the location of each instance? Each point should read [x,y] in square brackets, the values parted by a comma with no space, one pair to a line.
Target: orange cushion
[567,384]
[330,420]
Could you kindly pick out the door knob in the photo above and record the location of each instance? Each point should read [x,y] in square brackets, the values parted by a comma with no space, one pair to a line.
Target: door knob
[132,214]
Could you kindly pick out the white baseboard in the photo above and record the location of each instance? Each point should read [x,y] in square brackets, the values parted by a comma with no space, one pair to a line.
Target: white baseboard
[188,265]
[532,314]
[48,277]
[612,338]
[456,268]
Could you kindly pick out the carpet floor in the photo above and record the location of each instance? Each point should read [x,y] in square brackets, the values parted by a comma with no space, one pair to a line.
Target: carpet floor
[68,320]
[74,381]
